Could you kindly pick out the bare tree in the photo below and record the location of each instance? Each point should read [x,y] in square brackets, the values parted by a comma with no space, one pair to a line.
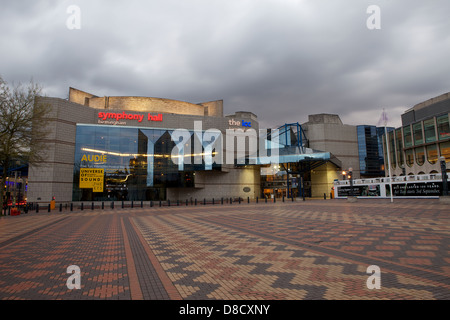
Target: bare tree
[22,126]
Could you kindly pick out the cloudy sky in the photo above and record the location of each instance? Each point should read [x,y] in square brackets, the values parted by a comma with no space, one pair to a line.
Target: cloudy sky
[281,59]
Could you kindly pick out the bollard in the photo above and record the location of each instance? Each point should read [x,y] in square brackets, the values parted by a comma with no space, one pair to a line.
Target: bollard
[248,199]
[303,197]
[49,208]
[292,198]
[122,204]
[132,203]
[274,199]
[160,203]
[195,202]
[168,202]
[231,200]
[239,200]
[178,203]
[256,199]
[204,201]
[60,207]
[324,196]
[187,202]
[213,201]
[221,200]
[331,195]
[142,204]
[103,205]
[37,208]
[112,204]
[71,206]
[92,206]
[81,206]
[151,203]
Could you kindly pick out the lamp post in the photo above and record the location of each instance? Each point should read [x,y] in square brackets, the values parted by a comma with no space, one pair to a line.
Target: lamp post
[444,176]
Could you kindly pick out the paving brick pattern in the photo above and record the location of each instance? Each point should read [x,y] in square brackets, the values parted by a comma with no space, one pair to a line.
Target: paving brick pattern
[318,249]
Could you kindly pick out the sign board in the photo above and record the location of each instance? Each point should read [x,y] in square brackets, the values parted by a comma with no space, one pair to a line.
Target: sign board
[92,179]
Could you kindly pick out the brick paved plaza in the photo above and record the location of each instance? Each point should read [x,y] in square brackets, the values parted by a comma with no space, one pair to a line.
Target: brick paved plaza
[314,249]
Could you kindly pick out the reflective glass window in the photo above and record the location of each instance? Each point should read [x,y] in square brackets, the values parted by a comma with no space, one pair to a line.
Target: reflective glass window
[429,130]
[443,127]
[432,153]
[408,137]
[420,155]
[445,150]
[417,133]
[392,149]
[399,143]
[409,154]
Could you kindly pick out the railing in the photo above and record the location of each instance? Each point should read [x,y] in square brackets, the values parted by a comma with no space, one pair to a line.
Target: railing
[111,205]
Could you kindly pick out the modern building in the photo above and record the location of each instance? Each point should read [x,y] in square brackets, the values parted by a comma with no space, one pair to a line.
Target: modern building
[144,148]
[415,148]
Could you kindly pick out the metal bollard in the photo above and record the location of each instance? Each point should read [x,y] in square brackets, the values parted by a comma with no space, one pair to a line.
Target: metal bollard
[324,196]
[195,201]
[122,204]
[49,209]
[71,206]
[213,201]
[103,205]
[132,203]
[256,199]
[142,204]
[221,200]
[81,206]
[60,207]
[248,199]
[92,206]
[168,202]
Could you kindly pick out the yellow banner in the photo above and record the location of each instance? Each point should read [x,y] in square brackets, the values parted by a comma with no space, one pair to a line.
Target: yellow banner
[92,179]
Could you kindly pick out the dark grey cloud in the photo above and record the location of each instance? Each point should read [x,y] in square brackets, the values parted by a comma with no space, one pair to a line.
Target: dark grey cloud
[281,59]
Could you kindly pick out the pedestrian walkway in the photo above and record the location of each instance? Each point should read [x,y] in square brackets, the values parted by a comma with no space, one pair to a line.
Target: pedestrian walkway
[303,250]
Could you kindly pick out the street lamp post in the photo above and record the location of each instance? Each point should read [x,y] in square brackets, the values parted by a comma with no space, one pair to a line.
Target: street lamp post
[444,176]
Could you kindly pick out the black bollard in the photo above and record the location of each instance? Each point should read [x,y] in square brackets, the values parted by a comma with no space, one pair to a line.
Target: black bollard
[81,206]
[103,205]
[92,206]
[195,201]
[60,207]
[49,207]
[248,199]
[213,201]
[221,200]
[71,206]
[168,202]
[123,204]
[324,196]
[142,204]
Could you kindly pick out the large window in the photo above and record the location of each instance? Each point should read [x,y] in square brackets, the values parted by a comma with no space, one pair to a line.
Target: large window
[409,157]
[443,127]
[408,137]
[445,150]
[432,153]
[420,155]
[399,143]
[429,130]
[417,132]
[392,149]
[138,163]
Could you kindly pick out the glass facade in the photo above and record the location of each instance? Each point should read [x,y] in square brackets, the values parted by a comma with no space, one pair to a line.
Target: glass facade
[445,150]
[417,132]
[420,155]
[137,163]
[432,153]
[407,136]
[443,127]
[429,130]
[399,145]
[370,150]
